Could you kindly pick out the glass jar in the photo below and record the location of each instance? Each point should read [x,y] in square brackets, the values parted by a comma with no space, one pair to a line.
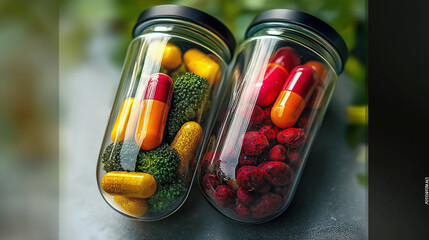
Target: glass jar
[163,111]
[283,77]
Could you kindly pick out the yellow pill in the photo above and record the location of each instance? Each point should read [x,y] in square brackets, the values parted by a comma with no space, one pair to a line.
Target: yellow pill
[118,131]
[202,65]
[171,55]
[132,206]
[129,184]
[186,143]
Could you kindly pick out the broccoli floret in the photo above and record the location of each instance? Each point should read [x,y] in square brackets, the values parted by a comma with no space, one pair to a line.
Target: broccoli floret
[166,196]
[163,70]
[161,162]
[178,72]
[189,92]
[120,156]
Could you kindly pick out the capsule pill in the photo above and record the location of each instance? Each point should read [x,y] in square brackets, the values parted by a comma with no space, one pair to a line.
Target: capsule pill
[121,123]
[154,112]
[129,184]
[293,97]
[186,142]
[132,206]
[202,65]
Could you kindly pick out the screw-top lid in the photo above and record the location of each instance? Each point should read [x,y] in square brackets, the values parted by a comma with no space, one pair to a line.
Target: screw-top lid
[305,20]
[190,14]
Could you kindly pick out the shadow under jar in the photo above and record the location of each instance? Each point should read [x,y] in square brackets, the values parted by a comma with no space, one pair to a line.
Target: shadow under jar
[163,111]
[283,77]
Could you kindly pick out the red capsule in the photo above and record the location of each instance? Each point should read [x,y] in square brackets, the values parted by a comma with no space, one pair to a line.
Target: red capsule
[281,63]
[274,78]
[286,57]
[154,111]
[293,97]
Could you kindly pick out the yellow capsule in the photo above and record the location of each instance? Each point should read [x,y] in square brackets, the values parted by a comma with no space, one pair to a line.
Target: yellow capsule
[202,65]
[118,131]
[132,206]
[186,143]
[171,56]
[129,184]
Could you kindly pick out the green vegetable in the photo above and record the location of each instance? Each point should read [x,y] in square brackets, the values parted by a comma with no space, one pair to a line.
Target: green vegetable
[166,196]
[163,70]
[120,156]
[161,163]
[189,93]
[178,72]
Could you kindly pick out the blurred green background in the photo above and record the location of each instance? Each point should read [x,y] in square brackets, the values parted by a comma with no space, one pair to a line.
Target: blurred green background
[81,19]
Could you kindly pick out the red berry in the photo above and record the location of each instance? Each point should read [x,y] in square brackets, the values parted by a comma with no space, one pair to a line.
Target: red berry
[223,196]
[210,183]
[268,131]
[282,190]
[241,211]
[277,173]
[264,187]
[267,205]
[267,115]
[257,115]
[244,160]
[254,143]
[276,130]
[278,153]
[244,196]
[291,137]
[249,177]
[294,159]
[303,119]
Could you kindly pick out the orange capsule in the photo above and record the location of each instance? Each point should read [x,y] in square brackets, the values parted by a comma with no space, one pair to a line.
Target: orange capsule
[293,97]
[320,70]
[154,111]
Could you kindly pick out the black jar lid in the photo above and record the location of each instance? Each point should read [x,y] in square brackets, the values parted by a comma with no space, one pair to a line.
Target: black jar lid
[190,14]
[305,20]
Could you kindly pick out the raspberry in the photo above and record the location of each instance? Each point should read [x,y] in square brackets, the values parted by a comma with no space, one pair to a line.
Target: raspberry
[244,160]
[278,153]
[264,187]
[268,131]
[267,115]
[249,177]
[291,137]
[241,211]
[282,190]
[267,205]
[254,143]
[257,115]
[210,183]
[223,196]
[245,197]
[294,159]
[277,173]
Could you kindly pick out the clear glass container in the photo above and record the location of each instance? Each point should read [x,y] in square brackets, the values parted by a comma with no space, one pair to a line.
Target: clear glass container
[163,111]
[283,77]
